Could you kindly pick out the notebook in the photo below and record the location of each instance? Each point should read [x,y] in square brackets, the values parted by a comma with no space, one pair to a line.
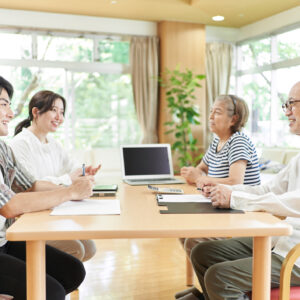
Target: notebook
[147,164]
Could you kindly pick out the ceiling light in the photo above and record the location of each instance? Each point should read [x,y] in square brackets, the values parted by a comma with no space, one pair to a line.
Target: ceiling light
[218,18]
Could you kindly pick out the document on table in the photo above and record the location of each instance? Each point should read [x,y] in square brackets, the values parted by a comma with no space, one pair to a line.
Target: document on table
[88,207]
[182,198]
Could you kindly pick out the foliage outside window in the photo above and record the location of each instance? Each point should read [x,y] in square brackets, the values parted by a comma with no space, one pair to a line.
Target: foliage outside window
[266,70]
[100,108]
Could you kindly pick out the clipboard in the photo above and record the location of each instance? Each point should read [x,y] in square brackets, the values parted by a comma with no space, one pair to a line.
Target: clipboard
[196,208]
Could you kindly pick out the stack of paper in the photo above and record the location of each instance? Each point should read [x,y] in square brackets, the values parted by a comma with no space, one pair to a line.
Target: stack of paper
[88,207]
[182,198]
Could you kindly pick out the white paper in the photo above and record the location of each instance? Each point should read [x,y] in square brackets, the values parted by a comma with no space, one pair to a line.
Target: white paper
[182,198]
[88,207]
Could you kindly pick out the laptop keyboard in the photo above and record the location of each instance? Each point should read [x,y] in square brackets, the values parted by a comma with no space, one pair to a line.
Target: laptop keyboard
[153,181]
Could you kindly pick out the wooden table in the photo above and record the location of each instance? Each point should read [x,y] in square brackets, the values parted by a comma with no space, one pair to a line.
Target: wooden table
[140,218]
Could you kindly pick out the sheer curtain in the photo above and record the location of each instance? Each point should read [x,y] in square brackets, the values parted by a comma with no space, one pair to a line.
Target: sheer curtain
[218,61]
[144,73]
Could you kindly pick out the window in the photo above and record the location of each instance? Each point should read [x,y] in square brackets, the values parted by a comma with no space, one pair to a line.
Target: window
[254,54]
[266,70]
[113,51]
[15,46]
[55,48]
[91,72]
[288,45]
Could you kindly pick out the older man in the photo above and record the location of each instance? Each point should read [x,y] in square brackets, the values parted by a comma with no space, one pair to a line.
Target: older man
[224,267]
[21,193]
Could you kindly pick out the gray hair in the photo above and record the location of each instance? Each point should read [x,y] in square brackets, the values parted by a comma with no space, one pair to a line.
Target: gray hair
[236,106]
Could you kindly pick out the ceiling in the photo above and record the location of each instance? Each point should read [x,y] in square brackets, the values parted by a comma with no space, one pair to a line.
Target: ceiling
[237,13]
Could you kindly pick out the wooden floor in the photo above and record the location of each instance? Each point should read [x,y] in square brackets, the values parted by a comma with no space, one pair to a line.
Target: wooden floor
[134,269]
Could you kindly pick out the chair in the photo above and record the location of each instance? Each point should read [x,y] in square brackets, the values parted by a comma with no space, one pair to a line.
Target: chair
[74,295]
[285,291]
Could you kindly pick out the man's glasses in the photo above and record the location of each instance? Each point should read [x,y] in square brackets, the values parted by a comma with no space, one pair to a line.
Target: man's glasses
[288,105]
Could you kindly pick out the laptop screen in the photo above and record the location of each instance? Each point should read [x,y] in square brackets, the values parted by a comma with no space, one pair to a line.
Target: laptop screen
[146,161]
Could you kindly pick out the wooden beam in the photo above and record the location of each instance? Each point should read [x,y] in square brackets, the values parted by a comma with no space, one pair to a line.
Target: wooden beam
[195,2]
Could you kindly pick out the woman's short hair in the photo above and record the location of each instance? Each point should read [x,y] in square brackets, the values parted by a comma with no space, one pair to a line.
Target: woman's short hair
[43,101]
[236,106]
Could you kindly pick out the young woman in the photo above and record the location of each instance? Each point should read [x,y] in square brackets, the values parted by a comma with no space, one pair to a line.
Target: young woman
[230,159]
[45,159]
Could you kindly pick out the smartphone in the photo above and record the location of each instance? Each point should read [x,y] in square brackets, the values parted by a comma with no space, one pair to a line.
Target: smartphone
[105,188]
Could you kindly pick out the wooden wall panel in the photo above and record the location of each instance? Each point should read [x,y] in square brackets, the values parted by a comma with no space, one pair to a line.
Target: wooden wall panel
[183,44]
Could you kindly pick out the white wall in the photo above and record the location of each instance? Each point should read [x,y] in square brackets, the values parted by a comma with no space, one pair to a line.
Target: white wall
[52,21]
[221,34]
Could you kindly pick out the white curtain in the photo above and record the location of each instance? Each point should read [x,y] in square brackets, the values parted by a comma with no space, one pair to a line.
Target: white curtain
[218,61]
[144,74]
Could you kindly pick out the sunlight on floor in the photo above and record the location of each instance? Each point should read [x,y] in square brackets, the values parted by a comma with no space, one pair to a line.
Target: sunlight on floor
[134,269]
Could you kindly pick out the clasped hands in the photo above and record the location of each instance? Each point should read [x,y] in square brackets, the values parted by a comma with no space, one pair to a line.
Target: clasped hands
[219,194]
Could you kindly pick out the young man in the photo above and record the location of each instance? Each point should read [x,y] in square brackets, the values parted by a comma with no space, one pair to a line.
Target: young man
[224,267]
[21,193]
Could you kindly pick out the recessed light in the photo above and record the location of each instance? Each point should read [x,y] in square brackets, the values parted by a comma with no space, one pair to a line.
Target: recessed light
[218,18]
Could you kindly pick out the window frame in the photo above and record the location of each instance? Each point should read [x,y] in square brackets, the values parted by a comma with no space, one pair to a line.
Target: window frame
[69,67]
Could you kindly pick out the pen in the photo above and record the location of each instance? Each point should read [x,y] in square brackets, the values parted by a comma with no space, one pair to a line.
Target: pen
[201,189]
[83,169]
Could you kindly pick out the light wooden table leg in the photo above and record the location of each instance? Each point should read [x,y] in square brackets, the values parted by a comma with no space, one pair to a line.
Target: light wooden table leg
[36,270]
[261,278]
[189,272]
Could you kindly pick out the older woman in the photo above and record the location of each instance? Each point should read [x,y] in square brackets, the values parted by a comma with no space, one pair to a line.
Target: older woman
[230,159]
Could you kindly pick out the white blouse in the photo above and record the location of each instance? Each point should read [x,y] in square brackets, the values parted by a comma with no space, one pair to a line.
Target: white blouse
[45,161]
[281,197]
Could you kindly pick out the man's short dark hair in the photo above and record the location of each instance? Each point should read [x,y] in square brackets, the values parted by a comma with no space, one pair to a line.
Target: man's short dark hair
[4,84]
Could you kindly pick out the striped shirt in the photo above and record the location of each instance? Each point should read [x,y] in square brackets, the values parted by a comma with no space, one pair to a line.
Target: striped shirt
[15,179]
[238,147]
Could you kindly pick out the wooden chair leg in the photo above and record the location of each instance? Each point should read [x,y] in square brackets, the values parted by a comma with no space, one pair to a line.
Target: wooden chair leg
[74,295]
[189,273]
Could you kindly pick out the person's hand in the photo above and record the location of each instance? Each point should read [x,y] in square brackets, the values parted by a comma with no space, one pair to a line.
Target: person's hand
[190,174]
[203,181]
[89,170]
[75,174]
[220,195]
[82,187]
[204,185]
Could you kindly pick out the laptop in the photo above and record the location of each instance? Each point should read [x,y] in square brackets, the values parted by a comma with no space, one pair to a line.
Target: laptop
[147,164]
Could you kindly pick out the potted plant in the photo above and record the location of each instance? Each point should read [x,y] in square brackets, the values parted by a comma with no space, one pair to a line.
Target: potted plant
[180,88]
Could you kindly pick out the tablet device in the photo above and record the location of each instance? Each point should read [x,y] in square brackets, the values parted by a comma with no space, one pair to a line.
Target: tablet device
[105,188]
